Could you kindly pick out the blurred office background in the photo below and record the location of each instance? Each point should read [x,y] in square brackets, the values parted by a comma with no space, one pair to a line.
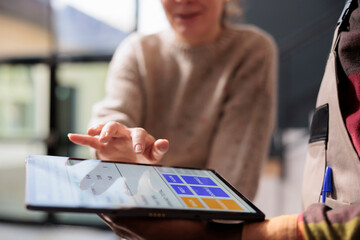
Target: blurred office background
[54,56]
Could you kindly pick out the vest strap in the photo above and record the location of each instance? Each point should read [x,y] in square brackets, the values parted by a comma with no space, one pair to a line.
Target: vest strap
[343,21]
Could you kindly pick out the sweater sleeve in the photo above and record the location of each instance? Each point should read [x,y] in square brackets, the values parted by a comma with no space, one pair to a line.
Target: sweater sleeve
[243,136]
[124,98]
[321,222]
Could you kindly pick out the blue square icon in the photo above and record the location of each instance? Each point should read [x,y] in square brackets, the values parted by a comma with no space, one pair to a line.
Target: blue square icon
[198,180]
[209,191]
[181,189]
[218,192]
[171,178]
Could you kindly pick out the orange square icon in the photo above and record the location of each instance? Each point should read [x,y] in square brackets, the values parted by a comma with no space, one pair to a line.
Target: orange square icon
[192,202]
[231,204]
[221,204]
[214,203]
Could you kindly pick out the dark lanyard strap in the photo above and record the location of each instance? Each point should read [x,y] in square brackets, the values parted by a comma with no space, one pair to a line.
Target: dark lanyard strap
[343,21]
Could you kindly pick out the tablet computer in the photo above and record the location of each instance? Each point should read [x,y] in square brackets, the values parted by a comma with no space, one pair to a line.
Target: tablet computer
[65,184]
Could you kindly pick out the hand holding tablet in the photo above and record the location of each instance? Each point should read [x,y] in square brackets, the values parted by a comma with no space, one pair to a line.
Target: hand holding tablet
[125,189]
[142,228]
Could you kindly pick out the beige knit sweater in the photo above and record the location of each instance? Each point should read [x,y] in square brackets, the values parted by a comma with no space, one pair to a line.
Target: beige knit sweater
[215,103]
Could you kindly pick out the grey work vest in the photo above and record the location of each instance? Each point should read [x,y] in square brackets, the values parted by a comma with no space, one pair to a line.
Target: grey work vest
[330,145]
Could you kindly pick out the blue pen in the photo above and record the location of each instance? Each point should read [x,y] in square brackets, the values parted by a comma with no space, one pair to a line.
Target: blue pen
[327,185]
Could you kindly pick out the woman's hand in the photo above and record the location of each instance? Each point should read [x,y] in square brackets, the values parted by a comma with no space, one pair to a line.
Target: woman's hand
[141,228]
[150,228]
[113,141]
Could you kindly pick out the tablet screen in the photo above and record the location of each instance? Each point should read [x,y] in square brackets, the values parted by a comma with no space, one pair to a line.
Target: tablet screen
[66,183]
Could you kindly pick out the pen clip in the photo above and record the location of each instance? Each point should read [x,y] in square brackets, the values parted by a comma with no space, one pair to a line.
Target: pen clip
[327,184]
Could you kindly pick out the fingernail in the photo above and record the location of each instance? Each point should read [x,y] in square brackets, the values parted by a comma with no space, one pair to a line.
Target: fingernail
[138,148]
[103,135]
[163,148]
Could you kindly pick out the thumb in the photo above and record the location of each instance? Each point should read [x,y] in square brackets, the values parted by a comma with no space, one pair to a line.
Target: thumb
[160,147]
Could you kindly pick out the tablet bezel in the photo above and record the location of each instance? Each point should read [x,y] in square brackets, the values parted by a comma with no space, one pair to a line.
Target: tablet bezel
[153,212]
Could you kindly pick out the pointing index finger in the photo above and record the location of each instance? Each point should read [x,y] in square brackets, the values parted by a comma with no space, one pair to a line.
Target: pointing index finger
[85,140]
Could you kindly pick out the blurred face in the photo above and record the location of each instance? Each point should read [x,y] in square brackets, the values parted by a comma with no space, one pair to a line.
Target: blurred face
[194,21]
